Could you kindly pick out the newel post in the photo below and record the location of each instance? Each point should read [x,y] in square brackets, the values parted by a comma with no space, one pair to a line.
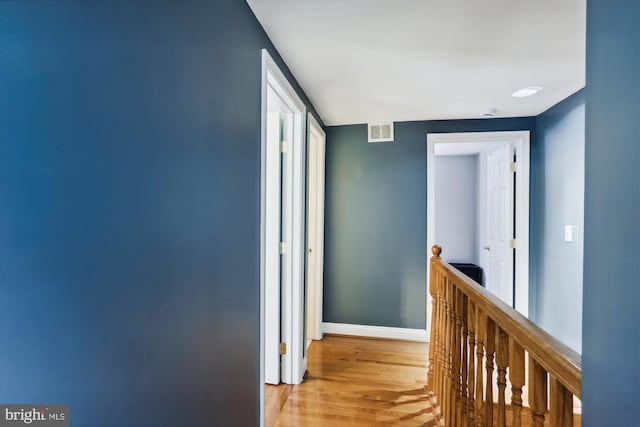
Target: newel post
[433,285]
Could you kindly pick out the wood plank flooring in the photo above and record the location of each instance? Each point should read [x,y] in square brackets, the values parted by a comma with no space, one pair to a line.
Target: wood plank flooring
[274,399]
[359,382]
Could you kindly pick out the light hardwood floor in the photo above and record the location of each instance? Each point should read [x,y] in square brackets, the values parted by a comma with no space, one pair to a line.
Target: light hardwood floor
[274,399]
[361,382]
[356,382]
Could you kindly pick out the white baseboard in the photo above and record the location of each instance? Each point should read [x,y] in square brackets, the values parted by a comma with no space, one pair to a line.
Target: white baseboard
[406,334]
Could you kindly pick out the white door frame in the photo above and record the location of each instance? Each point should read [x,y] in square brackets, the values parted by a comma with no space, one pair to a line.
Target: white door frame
[315,284]
[293,362]
[521,141]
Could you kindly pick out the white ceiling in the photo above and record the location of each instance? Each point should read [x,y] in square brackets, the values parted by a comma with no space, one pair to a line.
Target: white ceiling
[365,61]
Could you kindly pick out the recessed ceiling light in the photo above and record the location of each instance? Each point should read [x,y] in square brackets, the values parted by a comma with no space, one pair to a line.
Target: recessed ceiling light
[489,112]
[527,91]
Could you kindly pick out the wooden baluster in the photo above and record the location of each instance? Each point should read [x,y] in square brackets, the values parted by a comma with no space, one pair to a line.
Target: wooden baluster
[538,392]
[453,392]
[516,377]
[471,324]
[442,340]
[464,366]
[447,395]
[454,360]
[440,377]
[490,350]
[502,360]
[457,353]
[454,351]
[431,368]
[561,411]
[481,332]
[439,342]
[433,277]
[436,338]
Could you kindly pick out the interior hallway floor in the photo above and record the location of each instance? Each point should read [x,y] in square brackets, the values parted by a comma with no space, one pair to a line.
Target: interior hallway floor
[355,382]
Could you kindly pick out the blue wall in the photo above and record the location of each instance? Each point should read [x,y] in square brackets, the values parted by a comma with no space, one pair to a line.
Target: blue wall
[611,378]
[129,210]
[557,199]
[375,229]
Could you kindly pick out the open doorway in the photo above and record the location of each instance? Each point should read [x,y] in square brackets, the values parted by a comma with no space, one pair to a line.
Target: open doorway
[282,245]
[478,208]
[315,228]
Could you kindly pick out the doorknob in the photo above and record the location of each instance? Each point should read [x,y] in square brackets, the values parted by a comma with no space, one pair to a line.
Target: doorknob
[487,248]
[310,250]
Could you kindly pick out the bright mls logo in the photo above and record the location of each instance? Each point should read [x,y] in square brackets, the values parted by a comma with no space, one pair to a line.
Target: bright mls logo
[35,415]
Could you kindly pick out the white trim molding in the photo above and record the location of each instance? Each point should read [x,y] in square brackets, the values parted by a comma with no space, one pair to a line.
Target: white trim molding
[406,334]
[293,364]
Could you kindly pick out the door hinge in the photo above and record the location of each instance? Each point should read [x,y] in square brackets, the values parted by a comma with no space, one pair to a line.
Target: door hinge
[512,243]
[284,146]
[283,348]
[514,166]
[283,248]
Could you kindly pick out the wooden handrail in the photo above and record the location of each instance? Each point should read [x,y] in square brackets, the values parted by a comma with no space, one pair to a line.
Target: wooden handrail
[557,359]
[468,319]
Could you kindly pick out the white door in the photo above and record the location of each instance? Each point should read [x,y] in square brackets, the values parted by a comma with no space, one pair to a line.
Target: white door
[273,216]
[315,230]
[500,188]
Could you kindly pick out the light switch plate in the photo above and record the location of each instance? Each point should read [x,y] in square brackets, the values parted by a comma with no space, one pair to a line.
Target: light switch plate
[568,233]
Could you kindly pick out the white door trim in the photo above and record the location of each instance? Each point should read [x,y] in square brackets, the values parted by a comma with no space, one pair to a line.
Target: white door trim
[293,363]
[521,140]
[315,300]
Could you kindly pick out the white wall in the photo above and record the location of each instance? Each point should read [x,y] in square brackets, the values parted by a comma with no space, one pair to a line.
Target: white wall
[456,207]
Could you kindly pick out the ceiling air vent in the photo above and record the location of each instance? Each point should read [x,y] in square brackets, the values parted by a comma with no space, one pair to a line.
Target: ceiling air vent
[380,132]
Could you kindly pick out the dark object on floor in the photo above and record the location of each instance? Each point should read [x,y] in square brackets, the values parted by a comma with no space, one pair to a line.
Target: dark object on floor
[471,270]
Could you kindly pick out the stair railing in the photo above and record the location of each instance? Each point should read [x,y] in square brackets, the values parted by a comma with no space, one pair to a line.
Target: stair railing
[471,329]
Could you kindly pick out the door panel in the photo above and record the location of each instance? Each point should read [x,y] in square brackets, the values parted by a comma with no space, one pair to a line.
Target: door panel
[499,278]
[311,237]
[315,228]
